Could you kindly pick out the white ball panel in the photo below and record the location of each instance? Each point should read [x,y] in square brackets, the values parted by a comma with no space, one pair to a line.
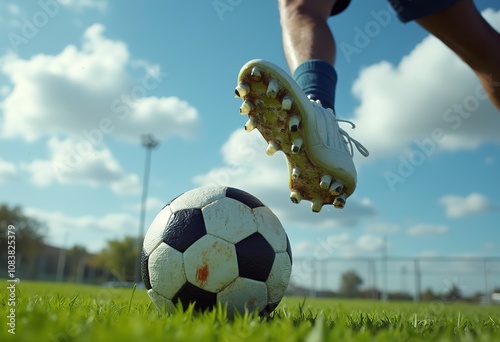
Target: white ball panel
[198,198]
[229,219]
[166,270]
[161,302]
[211,263]
[271,228]
[278,279]
[244,294]
[155,231]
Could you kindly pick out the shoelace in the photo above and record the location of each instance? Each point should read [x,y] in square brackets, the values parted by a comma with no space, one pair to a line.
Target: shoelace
[349,140]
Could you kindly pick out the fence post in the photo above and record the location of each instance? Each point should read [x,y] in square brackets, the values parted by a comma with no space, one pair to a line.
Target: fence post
[416,265]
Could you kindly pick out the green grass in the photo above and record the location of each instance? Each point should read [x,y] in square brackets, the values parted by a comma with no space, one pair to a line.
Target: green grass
[68,312]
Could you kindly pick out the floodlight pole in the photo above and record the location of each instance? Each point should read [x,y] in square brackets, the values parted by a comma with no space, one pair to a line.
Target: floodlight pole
[149,142]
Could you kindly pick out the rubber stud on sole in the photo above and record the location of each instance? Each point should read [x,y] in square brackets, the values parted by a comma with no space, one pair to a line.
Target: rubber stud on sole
[293,124]
[339,201]
[245,108]
[241,90]
[250,125]
[286,103]
[271,149]
[316,205]
[297,144]
[272,88]
[256,74]
[295,173]
[325,182]
[336,188]
[295,197]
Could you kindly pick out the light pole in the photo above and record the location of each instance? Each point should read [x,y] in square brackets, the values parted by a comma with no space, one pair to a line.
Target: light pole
[149,142]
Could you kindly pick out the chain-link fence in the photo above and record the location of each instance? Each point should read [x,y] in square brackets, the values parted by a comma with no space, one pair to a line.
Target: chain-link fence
[419,278]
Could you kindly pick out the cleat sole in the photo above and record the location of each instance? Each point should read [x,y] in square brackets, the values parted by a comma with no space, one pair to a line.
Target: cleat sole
[269,98]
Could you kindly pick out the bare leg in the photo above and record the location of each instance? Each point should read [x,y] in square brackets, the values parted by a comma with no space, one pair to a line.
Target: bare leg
[305,31]
[462,28]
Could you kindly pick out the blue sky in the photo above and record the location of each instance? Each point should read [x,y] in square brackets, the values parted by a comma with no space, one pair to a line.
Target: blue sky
[82,80]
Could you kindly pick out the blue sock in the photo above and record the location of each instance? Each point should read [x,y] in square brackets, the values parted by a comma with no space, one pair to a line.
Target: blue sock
[318,79]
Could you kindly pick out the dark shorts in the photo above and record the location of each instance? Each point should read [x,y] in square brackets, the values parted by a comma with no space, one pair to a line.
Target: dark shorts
[407,10]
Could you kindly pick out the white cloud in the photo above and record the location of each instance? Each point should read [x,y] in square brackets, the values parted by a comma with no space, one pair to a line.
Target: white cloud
[80,162]
[427,229]
[90,231]
[153,204]
[246,166]
[89,92]
[457,206]
[13,9]
[340,245]
[8,171]
[84,4]
[430,91]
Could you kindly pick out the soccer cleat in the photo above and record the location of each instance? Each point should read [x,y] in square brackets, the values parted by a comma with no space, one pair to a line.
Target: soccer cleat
[318,152]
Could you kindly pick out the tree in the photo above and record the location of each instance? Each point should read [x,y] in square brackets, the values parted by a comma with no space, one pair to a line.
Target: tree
[454,294]
[76,258]
[428,295]
[120,257]
[350,283]
[29,236]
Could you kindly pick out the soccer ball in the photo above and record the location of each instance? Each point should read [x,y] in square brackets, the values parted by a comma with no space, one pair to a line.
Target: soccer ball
[216,244]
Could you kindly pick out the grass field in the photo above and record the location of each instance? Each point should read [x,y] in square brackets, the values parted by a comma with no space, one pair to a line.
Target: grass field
[68,312]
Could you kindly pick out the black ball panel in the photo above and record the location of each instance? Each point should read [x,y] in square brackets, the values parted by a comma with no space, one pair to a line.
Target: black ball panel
[268,309]
[184,228]
[255,257]
[289,249]
[144,270]
[190,293]
[244,197]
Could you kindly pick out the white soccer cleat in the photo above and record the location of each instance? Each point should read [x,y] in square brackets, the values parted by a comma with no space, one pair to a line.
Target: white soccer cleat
[319,153]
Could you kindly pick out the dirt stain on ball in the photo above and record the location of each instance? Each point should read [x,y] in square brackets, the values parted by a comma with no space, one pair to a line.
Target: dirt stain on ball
[202,273]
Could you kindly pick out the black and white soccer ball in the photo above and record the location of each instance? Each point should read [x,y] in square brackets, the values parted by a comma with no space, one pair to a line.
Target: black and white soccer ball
[216,244]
